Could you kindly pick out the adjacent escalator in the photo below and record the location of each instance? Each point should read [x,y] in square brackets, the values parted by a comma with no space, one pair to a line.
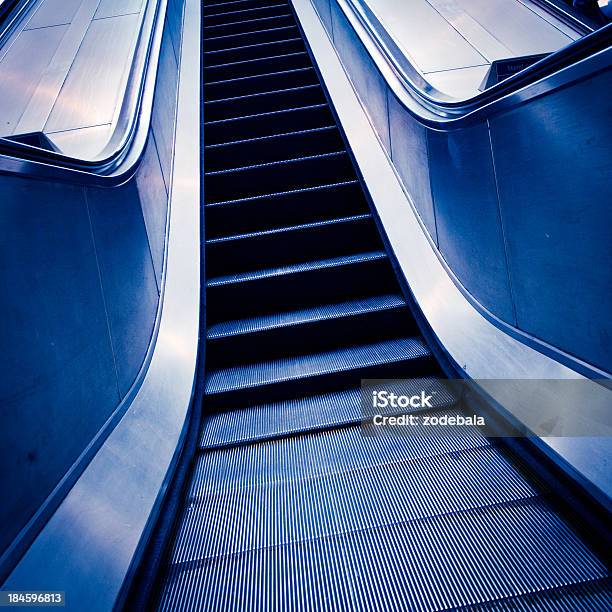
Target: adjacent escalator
[290,505]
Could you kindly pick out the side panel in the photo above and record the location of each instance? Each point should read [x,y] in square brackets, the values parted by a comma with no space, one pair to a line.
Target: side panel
[58,380]
[554,170]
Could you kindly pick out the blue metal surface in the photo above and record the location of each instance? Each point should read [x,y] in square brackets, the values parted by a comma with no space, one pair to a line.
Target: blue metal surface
[84,296]
[293,502]
[438,148]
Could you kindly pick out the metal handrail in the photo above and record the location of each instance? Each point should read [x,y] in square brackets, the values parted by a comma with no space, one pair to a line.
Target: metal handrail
[123,152]
[439,106]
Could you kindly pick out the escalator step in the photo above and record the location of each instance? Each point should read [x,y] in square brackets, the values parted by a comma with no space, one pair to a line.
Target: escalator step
[267,9]
[268,124]
[269,81]
[250,25]
[331,451]
[222,8]
[224,42]
[263,102]
[285,175]
[318,203]
[264,149]
[258,65]
[443,562]
[305,315]
[316,329]
[289,245]
[344,502]
[243,51]
[299,268]
[355,359]
[303,414]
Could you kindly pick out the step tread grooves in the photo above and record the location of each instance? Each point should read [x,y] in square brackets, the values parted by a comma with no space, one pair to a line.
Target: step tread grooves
[305,315]
[298,268]
[289,229]
[315,364]
[477,569]
[299,415]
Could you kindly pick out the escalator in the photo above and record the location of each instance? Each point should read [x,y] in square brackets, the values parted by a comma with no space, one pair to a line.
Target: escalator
[290,505]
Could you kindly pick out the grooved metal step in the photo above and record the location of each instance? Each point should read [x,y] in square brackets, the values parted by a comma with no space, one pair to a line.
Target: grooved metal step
[305,315]
[368,498]
[276,147]
[300,268]
[322,453]
[444,562]
[356,358]
[298,498]
[255,423]
[258,65]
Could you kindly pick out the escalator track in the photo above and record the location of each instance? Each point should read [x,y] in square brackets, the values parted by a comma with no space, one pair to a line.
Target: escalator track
[289,504]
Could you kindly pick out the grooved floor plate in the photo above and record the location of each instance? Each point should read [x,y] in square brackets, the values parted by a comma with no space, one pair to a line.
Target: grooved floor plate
[296,499]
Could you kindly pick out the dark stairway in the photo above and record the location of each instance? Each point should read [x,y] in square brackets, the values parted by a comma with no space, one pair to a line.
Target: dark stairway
[290,505]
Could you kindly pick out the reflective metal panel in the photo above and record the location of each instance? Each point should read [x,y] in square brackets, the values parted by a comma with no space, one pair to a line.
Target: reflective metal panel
[366,79]
[470,235]
[58,382]
[154,203]
[519,29]
[324,10]
[84,143]
[113,8]
[53,12]
[126,273]
[431,42]
[411,159]
[554,171]
[82,101]
[33,50]
[460,83]
[164,105]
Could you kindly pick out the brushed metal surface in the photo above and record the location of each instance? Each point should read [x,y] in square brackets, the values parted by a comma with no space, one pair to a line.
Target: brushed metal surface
[426,37]
[114,8]
[37,111]
[515,26]
[368,82]
[469,231]
[461,83]
[410,155]
[126,275]
[554,171]
[164,105]
[21,69]
[154,202]
[53,12]
[83,143]
[82,100]
[478,347]
[479,37]
[58,379]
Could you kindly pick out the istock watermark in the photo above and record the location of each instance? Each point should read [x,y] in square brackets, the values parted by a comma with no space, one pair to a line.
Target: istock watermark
[499,408]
